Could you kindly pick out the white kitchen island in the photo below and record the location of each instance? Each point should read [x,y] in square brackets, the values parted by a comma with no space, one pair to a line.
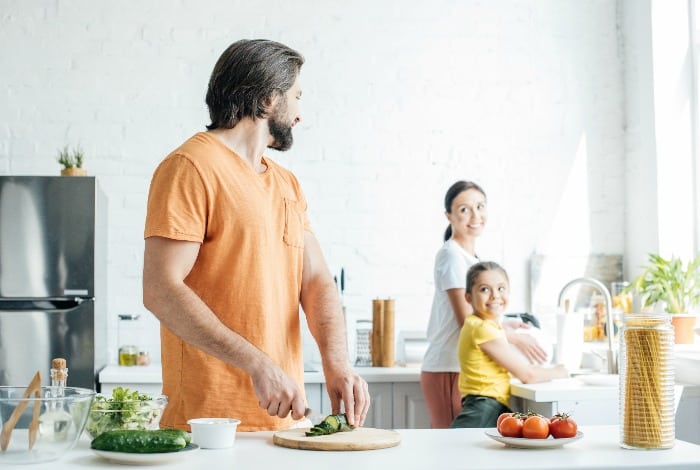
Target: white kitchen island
[419,449]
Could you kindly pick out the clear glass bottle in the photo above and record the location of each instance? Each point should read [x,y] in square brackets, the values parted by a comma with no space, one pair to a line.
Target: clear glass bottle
[55,422]
[647,380]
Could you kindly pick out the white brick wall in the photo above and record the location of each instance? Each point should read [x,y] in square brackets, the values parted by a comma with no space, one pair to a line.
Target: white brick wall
[401,98]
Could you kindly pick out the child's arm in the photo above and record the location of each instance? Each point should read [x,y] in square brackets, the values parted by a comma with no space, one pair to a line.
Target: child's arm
[498,349]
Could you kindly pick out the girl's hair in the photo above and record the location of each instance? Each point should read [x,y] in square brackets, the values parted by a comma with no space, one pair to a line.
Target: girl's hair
[454,191]
[481,267]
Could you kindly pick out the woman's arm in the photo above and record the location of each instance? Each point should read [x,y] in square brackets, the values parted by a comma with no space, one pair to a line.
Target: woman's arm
[499,350]
[460,307]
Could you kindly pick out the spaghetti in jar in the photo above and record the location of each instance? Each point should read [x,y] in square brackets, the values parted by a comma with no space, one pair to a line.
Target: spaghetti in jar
[647,419]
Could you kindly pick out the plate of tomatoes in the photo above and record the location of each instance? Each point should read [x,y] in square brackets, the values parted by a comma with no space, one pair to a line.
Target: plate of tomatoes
[530,430]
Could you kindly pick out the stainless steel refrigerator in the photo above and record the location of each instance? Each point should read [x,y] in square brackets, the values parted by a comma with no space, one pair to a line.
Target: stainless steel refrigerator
[52,278]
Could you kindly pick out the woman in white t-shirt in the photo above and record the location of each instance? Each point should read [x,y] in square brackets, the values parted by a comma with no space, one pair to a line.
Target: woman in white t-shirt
[465,209]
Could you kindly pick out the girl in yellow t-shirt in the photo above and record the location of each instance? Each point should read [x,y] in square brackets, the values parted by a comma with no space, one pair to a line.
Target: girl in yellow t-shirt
[486,360]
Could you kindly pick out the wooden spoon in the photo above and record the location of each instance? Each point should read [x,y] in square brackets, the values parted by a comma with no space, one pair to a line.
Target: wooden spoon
[9,426]
[34,424]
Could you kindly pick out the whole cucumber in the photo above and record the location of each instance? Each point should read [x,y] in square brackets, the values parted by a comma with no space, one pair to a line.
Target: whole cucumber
[178,432]
[140,441]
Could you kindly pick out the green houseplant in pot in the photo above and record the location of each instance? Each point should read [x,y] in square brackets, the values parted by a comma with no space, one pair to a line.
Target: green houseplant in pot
[72,162]
[669,284]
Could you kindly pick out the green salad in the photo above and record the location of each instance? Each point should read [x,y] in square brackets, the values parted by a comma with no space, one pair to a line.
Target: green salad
[126,409]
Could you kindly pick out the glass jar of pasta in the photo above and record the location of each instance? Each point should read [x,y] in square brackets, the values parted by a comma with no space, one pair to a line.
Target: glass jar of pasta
[647,382]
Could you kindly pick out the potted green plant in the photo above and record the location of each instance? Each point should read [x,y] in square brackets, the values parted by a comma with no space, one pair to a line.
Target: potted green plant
[72,161]
[668,284]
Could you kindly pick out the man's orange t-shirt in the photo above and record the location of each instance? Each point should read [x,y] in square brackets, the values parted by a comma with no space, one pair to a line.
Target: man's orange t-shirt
[248,271]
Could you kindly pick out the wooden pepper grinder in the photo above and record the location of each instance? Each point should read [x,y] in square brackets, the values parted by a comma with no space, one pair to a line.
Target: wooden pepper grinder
[382,342]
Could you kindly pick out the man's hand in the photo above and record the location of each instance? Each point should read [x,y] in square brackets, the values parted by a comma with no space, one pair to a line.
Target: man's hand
[277,392]
[347,387]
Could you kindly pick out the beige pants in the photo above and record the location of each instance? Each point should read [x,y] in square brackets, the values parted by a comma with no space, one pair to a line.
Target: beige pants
[441,392]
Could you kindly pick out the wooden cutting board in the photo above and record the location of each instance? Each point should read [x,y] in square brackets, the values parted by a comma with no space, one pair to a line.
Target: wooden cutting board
[357,439]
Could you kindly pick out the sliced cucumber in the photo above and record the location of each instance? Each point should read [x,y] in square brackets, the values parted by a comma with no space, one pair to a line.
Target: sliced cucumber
[330,425]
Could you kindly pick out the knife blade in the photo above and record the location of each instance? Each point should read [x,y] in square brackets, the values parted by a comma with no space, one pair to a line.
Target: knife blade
[342,281]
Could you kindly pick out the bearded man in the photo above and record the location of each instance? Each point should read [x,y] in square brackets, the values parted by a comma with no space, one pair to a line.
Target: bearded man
[230,257]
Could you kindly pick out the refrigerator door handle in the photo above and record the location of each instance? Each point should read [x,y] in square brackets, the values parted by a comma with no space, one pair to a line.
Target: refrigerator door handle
[63,304]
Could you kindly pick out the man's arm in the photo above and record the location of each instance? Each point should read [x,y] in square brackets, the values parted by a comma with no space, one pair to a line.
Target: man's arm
[166,265]
[321,304]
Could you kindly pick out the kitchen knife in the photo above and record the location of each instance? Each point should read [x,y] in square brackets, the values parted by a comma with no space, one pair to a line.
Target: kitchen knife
[342,281]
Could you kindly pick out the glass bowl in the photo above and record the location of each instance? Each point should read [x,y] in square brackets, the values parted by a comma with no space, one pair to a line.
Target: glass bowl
[60,423]
[109,415]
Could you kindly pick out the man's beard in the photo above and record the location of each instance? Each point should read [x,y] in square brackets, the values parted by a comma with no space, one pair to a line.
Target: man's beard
[281,133]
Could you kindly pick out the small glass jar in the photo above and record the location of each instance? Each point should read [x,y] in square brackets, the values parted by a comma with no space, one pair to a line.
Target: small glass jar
[143,359]
[647,381]
[128,339]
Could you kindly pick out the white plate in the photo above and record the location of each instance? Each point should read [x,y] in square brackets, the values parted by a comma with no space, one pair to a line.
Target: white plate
[525,443]
[599,379]
[147,459]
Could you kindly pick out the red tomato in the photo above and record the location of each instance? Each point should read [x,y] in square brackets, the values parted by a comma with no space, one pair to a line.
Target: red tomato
[511,426]
[562,425]
[536,427]
[501,417]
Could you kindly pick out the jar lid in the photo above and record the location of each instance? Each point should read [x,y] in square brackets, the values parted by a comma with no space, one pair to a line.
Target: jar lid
[646,320]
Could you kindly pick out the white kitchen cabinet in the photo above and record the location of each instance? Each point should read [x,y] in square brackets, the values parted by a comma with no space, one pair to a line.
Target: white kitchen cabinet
[380,413]
[585,412]
[688,415]
[589,405]
[409,408]
[314,397]
[145,379]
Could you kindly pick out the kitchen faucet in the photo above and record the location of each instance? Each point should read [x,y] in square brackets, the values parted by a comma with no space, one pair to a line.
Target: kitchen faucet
[610,327]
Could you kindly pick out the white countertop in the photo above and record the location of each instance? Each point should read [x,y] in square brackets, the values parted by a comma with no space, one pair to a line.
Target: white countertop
[563,390]
[560,389]
[420,449]
[151,374]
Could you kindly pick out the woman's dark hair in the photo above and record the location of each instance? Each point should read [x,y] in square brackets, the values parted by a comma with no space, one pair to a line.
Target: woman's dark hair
[248,73]
[454,191]
[481,267]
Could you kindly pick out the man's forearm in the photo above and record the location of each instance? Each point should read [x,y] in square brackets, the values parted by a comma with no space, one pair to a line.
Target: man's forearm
[324,315]
[187,316]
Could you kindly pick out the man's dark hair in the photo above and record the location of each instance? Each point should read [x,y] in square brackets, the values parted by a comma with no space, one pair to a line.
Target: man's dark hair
[246,75]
